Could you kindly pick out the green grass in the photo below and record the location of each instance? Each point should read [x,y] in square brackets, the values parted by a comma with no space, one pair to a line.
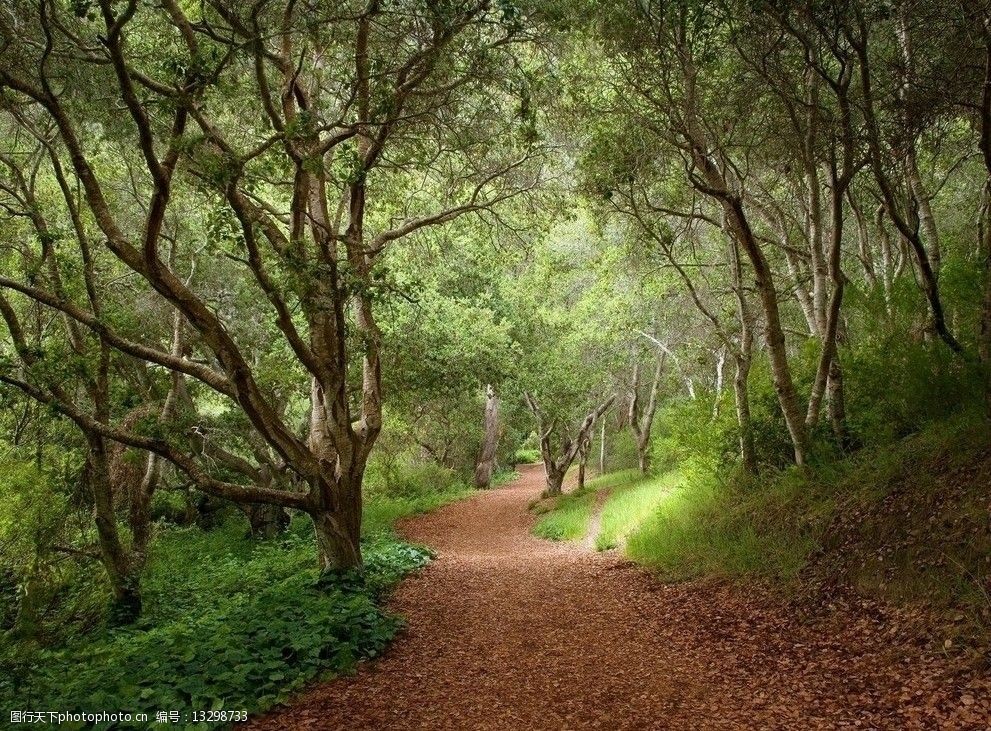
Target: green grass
[700,530]
[569,516]
[381,513]
[229,622]
[906,522]
[629,506]
[568,519]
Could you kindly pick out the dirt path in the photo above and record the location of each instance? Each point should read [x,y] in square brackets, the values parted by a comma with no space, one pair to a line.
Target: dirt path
[595,524]
[508,631]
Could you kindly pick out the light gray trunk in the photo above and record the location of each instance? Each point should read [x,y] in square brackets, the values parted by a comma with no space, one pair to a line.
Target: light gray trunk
[642,422]
[865,252]
[583,451]
[773,331]
[602,448]
[888,268]
[490,440]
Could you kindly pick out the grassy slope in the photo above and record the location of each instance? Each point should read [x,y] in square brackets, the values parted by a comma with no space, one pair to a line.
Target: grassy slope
[907,522]
[567,517]
[630,505]
[228,622]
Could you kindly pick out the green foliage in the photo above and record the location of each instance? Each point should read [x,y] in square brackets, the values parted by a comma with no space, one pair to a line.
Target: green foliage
[229,622]
[568,518]
[898,386]
[381,512]
[621,449]
[903,521]
[247,653]
[396,487]
[526,455]
[630,504]
[704,528]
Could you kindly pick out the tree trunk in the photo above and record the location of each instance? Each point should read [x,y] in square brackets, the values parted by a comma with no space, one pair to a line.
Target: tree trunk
[555,468]
[916,189]
[338,538]
[583,450]
[555,480]
[984,344]
[887,257]
[602,448]
[124,580]
[828,369]
[266,521]
[906,227]
[725,191]
[743,356]
[643,456]
[720,367]
[864,252]
[927,220]
[837,404]
[773,332]
[984,341]
[139,516]
[490,440]
[642,423]
[748,452]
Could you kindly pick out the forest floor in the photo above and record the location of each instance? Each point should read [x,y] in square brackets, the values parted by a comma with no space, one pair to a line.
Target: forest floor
[509,631]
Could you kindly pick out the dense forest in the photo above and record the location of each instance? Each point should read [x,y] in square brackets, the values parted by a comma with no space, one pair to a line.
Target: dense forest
[276,276]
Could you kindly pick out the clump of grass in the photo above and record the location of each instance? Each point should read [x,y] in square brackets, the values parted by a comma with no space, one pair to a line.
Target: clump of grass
[614,480]
[381,513]
[700,529]
[568,519]
[906,521]
[629,506]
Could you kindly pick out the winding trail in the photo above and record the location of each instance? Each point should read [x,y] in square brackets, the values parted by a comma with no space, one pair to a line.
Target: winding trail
[508,631]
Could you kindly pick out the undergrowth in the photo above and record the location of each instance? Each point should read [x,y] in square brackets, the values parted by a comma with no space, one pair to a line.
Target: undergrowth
[905,521]
[629,505]
[241,631]
[567,517]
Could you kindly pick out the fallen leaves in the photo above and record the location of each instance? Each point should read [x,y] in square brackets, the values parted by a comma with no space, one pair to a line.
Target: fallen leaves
[511,632]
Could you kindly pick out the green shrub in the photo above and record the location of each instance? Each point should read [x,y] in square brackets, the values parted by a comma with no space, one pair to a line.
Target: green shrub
[229,622]
[526,455]
[246,651]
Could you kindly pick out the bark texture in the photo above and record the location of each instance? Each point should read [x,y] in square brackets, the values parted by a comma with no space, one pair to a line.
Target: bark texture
[556,463]
[490,440]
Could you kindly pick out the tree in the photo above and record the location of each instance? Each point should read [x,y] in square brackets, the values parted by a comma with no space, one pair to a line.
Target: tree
[641,416]
[557,459]
[490,440]
[306,168]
